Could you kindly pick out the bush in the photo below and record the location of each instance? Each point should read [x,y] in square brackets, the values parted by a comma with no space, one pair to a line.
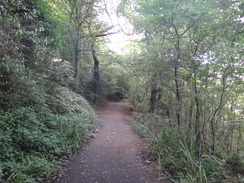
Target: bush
[33,137]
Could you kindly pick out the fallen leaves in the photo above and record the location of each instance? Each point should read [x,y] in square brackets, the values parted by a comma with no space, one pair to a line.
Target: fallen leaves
[148,161]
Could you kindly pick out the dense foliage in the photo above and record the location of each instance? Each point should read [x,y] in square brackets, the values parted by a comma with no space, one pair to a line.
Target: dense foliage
[188,72]
[33,137]
[184,72]
[41,118]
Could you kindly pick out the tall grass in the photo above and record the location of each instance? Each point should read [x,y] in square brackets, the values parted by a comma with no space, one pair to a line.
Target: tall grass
[177,153]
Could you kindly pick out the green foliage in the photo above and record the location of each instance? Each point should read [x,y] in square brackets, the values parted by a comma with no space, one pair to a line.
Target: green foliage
[41,120]
[113,83]
[177,153]
[139,129]
[236,162]
[64,73]
[33,137]
[114,80]
[187,72]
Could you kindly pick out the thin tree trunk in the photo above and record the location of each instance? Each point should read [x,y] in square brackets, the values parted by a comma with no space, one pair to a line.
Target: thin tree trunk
[212,120]
[159,96]
[198,109]
[96,74]
[156,95]
[191,115]
[197,118]
[178,105]
[153,99]
[76,65]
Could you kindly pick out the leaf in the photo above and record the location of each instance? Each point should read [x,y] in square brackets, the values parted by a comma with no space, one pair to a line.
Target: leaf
[148,162]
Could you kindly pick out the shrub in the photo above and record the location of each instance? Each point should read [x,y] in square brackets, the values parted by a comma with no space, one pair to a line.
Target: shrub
[33,137]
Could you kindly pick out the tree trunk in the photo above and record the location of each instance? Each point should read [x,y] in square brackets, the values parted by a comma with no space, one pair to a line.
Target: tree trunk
[198,109]
[76,65]
[215,112]
[191,114]
[178,98]
[153,99]
[197,118]
[96,74]
[156,95]
[159,96]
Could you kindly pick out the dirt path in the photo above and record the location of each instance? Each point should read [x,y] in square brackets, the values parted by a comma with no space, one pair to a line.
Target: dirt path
[113,156]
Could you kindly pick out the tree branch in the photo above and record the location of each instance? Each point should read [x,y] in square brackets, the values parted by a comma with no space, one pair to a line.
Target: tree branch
[98,35]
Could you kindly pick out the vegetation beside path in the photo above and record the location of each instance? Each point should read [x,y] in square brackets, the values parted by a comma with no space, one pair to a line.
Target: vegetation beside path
[175,152]
[183,70]
[34,137]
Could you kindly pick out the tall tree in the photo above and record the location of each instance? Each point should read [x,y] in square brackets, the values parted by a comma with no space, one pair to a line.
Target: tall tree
[189,33]
[77,15]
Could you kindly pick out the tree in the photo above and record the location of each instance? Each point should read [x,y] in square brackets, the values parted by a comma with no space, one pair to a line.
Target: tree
[76,15]
[188,33]
[82,32]
[185,71]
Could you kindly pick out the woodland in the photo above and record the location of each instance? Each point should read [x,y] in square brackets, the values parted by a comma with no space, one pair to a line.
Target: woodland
[183,74]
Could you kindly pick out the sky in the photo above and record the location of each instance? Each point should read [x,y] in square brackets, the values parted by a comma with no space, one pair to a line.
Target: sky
[122,27]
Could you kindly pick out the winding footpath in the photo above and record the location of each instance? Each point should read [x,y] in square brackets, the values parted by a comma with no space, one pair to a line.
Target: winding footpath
[113,156]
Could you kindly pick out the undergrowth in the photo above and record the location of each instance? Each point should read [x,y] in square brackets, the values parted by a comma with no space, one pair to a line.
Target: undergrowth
[34,137]
[176,152]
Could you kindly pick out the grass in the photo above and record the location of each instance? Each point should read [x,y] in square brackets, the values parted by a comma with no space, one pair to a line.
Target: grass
[177,154]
